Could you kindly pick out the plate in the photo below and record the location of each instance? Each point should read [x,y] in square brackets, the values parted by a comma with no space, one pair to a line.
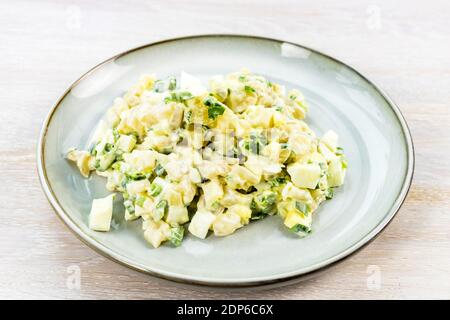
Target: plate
[372,131]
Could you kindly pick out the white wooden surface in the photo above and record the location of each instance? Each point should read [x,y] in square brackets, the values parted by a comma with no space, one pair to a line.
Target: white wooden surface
[402,45]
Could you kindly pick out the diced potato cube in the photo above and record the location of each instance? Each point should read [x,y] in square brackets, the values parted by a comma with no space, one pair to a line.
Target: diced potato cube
[103,161]
[156,232]
[241,178]
[298,223]
[336,173]
[226,223]
[141,160]
[188,190]
[260,116]
[326,152]
[232,197]
[131,216]
[259,165]
[101,213]
[115,179]
[145,210]
[304,175]
[140,186]
[241,210]
[173,197]
[213,191]
[292,192]
[194,175]
[330,138]
[293,218]
[192,84]
[126,143]
[200,223]
[83,160]
[177,215]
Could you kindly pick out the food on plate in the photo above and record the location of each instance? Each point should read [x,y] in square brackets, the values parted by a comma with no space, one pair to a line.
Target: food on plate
[189,158]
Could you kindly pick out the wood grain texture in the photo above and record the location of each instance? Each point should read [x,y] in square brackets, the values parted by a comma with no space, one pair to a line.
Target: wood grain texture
[404,46]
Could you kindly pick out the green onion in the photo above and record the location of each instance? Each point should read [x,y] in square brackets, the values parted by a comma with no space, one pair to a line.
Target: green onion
[263,204]
[300,229]
[159,86]
[277,181]
[255,143]
[176,235]
[129,206]
[136,175]
[140,201]
[159,170]
[160,210]
[172,83]
[93,151]
[344,164]
[97,164]
[155,189]
[329,193]
[178,97]
[108,147]
[215,108]
[249,89]
[187,117]
[302,207]
[339,151]
[116,134]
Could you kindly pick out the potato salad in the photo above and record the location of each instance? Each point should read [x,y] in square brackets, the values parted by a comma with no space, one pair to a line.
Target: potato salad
[190,158]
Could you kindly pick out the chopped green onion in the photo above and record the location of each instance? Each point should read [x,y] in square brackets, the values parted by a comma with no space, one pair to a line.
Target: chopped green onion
[108,147]
[255,143]
[159,86]
[135,175]
[116,134]
[329,193]
[160,210]
[300,229]
[176,235]
[215,108]
[159,170]
[277,181]
[263,204]
[129,206]
[155,189]
[187,117]
[302,207]
[249,89]
[344,164]
[140,201]
[178,97]
[172,83]
[339,151]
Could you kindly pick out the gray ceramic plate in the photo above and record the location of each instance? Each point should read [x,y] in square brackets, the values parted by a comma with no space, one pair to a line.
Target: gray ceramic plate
[371,128]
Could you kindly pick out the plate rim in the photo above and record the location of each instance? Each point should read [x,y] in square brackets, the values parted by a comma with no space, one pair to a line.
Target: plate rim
[288,277]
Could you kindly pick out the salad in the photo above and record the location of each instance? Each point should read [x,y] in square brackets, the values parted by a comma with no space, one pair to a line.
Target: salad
[187,158]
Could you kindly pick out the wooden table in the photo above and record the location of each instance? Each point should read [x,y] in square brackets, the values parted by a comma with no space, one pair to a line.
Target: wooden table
[404,46]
